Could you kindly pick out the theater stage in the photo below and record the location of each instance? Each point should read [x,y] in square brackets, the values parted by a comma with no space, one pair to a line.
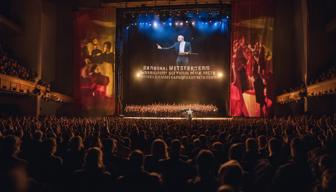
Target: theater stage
[183,118]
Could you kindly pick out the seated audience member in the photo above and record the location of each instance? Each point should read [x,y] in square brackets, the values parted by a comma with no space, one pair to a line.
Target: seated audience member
[124,148]
[51,165]
[274,151]
[219,151]
[14,175]
[237,152]
[18,180]
[261,178]
[206,173]
[175,150]
[93,176]
[9,148]
[251,154]
[138,179]
[196,147]
[114,164]
[159,151]
[175,171]
[296,174]
[231,174]
[36,150]
[73,158]
[109,157]
[326,163]
[96,142]
[262,146]
[138,139]
[328,182]
[225,188]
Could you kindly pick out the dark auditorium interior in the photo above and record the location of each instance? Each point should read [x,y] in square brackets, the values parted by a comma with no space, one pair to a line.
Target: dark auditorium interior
[167,95]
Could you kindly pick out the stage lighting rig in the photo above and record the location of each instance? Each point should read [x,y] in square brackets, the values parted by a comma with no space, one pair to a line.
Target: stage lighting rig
[155,24]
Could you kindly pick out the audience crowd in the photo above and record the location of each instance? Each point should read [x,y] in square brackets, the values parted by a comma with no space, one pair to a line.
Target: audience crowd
[172,110]
[10,66]
[327,75]
[294,154]
[324,76]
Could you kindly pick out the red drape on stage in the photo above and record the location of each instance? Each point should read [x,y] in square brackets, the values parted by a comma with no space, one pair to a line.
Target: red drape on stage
[251,88]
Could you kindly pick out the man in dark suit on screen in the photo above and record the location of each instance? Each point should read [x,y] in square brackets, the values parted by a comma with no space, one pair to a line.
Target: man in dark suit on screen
[182,48]
[259,87]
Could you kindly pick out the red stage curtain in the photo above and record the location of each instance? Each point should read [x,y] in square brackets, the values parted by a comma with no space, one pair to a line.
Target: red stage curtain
[251,88]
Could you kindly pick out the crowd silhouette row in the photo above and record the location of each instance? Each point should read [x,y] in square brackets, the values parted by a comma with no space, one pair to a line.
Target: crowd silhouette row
[114,154]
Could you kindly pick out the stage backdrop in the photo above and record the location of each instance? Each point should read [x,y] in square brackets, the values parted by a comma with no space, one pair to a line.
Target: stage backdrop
[251,89]
[177,56]
[95,60]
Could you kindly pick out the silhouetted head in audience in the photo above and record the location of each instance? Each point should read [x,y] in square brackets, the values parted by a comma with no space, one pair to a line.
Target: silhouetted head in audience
[328,181]
[76,143]
[142,134]
[326,162]
[159,149]
[262,142]
[94,159]
[225,188]
[109,145]
[38,135]
[274,146]
[97,142]
[175,148]
[236,152]
[217,147]
[127,142]
[205,163]
[203,141]
[51,146]
[251,145]
[231,173]
[10,146]
[297,150]
[222,137]
[136,161]
[16,180]
[196,143]
[308,142]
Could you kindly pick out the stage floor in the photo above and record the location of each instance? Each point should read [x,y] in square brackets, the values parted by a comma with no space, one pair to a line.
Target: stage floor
[183,118]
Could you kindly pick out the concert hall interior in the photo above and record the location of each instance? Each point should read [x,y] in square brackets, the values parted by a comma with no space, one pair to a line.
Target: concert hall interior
[168,95]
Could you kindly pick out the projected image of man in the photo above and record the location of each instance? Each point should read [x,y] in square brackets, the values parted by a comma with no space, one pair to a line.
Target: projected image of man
[182,48]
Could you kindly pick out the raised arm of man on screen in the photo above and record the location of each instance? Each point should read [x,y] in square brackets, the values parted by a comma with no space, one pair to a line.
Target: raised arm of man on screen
[182,48]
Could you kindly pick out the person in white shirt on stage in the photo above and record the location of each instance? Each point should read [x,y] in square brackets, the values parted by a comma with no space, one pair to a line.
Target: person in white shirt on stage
[182,48]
